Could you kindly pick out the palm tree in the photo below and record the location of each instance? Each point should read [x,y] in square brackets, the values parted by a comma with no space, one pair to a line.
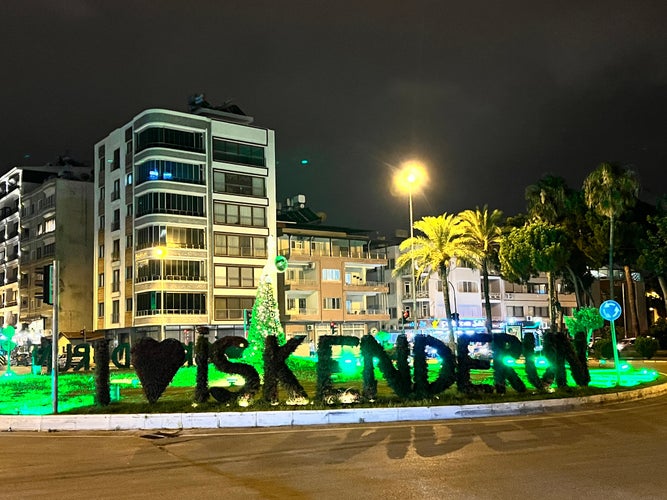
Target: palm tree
[481,240]
[609,190]
[548,199]
[552,201]
[432,251]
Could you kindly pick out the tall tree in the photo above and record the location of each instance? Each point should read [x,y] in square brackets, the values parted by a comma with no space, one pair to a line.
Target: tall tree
[610,190]
[551,200]
[481,241]
[654,252]
[433,251]
[537,247]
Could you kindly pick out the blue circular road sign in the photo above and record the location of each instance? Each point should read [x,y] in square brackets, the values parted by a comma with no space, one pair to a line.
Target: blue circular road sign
[610,310]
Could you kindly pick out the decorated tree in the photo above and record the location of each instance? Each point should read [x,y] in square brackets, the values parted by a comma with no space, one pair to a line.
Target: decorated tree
[265,321]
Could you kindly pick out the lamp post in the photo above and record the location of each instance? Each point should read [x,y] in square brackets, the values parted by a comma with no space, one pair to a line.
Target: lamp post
[411,177]
[162,253]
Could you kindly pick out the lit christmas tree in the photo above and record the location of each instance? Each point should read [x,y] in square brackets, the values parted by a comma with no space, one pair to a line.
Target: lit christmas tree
[265,321]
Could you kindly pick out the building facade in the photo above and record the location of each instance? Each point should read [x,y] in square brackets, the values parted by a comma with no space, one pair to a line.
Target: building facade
[46,217]
[510,302]
[185,212]
[335,282]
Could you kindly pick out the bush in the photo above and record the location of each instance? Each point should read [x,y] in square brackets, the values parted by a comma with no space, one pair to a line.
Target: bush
[646,347]
[658,330]
[603,349]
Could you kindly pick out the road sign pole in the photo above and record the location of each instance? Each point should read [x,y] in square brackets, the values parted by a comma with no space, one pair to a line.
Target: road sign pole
[617,363]
[611,311]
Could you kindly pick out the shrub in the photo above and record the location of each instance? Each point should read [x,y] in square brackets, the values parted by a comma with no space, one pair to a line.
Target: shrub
[603,349]
[658,330]
[102,391]
[646,347]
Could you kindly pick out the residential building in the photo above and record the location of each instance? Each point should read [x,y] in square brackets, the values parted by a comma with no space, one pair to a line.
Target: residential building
[335,282]
[184,210]
[46,217]
[510,302]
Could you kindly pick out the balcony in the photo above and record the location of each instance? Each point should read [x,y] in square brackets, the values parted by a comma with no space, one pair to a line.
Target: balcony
[367,286]
[299,284]
[421,294]
[302,313]
[370,313]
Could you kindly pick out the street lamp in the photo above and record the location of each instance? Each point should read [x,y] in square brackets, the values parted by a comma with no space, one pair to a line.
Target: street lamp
[162,254]
[411,177]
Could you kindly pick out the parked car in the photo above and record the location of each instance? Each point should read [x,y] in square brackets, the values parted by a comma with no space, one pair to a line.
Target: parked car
[625,344]
[626,347]
[62,361]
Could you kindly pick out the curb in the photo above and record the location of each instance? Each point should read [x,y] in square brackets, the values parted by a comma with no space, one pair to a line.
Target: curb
[220,420]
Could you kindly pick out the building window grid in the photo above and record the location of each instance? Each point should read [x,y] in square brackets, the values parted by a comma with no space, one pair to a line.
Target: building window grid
[232,183]
[241,215]
[235,245]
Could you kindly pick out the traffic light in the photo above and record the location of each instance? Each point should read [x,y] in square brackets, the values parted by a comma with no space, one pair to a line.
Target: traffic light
[455,316]
[247,318]
[333,327]
[47,285]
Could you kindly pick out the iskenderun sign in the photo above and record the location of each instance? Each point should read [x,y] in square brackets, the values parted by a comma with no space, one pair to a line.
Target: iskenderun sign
[406,372]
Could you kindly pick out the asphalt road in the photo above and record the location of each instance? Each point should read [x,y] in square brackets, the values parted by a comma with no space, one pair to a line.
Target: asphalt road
[614,451]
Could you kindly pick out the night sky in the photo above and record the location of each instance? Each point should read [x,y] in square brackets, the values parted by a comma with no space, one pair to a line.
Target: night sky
[490,95]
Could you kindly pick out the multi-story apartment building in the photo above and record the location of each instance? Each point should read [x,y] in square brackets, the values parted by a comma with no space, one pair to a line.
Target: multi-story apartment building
[510,302]
[46,215]
[334,277]
[185,208]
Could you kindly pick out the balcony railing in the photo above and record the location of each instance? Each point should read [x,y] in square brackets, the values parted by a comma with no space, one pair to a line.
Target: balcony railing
[367,311]
[301,282]
[301,311]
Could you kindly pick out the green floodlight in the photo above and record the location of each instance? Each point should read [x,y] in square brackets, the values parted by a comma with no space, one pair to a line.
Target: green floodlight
[541,362]
[509,360]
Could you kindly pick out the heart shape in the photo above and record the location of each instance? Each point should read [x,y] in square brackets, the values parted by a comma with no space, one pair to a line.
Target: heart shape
[156,363]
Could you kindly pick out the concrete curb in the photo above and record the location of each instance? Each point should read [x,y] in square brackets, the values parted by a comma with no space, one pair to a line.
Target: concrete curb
[154,421]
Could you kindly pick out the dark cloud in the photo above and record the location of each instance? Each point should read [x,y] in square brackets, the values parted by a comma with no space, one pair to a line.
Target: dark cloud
[491,95]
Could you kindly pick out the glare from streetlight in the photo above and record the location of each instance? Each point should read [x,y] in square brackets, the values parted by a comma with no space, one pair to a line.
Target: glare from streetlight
[411,177]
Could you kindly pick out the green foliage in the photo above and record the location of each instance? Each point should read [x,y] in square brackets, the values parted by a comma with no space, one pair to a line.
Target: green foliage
[326,365]
[446,375]
[610,189]
[432,252]
[102,389]
[531,249]
[646,347]
[219,357]
[276,370]
[156,363]
[658,330]
[201,360]
[481,240]
[585,319]
[603,349]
